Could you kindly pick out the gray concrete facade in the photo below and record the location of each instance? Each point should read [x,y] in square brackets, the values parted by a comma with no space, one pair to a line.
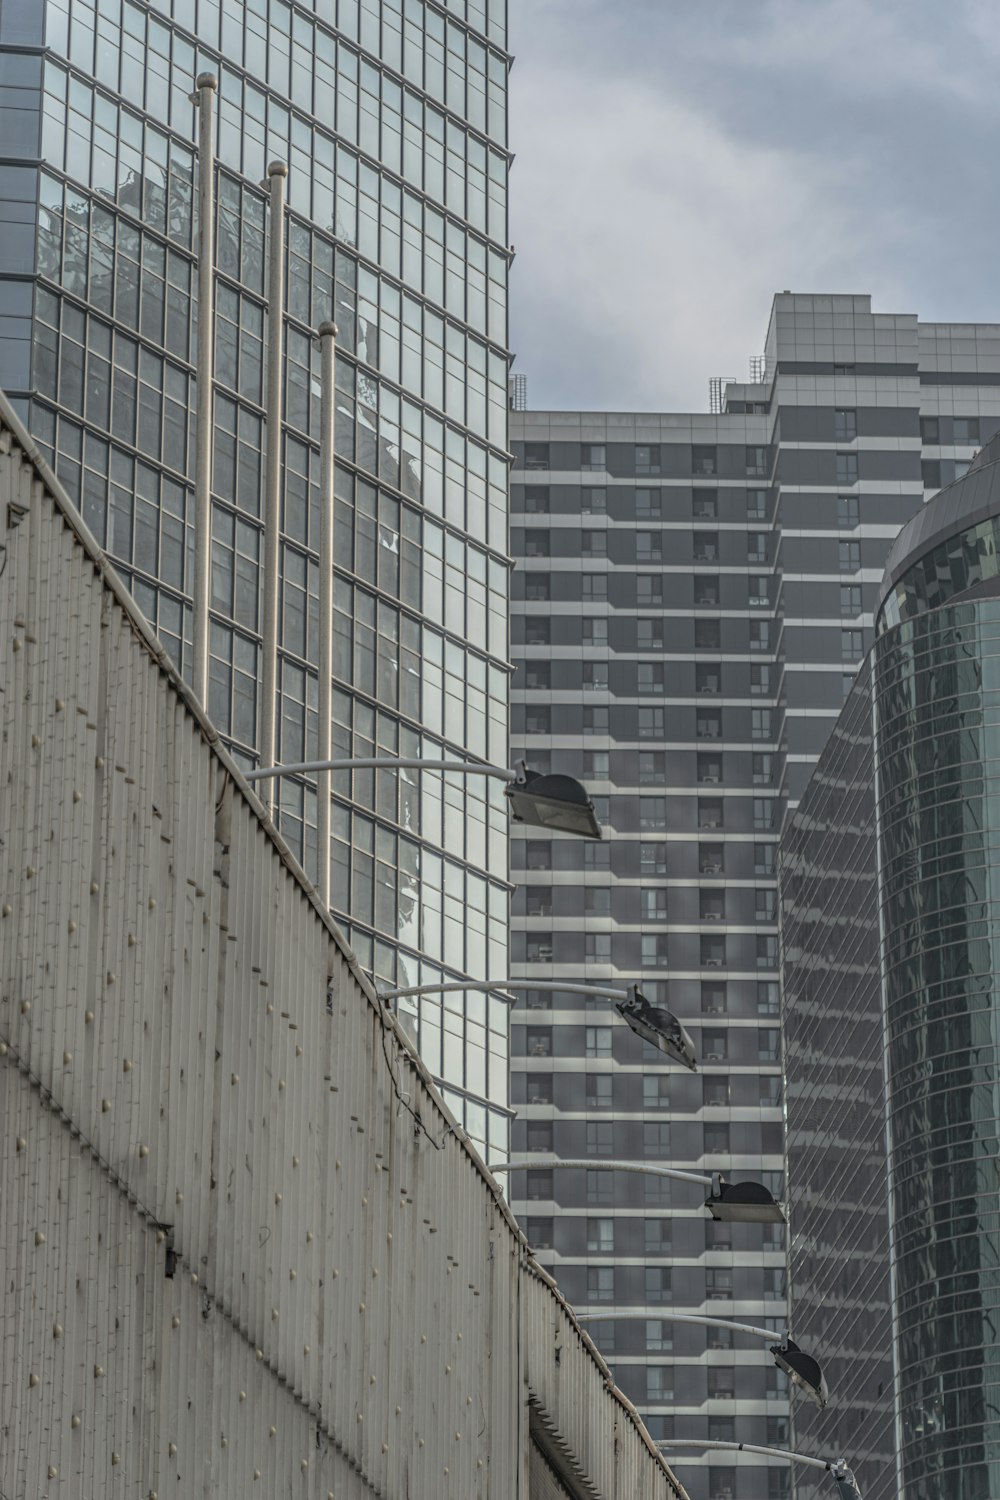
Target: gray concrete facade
[693,595]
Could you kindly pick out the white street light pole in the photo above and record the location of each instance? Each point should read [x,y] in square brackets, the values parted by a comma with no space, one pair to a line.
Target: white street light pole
[836,1468]
[386,762]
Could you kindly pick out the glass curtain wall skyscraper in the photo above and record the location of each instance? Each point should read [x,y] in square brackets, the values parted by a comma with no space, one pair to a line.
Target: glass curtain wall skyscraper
[391,117]
[693,596]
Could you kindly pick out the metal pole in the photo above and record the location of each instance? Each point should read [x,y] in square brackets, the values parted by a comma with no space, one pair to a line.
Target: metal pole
[529,1163]
[834,1467]
[672,1317]
[328,409]
[277,173]
[386,762]
[204,98]
[453,985]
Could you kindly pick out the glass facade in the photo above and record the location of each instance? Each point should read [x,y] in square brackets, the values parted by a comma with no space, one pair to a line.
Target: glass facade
[392,119]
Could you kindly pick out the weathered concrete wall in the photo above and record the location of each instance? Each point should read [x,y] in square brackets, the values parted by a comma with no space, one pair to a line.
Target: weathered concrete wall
[241,1239]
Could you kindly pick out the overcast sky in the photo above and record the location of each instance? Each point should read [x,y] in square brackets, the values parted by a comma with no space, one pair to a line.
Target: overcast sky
[679,161]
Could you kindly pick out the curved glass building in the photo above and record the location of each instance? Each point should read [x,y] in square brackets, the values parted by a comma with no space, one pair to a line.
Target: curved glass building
[916,1161]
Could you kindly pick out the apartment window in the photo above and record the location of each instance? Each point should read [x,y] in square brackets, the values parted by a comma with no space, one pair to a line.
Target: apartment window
[708,724]
[930,470]
[537,587]
[757,591]
[600,1283]
[654,950]
[713,952]
[538,948]
[657,1192]
[657,1283]
[708,635]
[597,901]
[769,1087]
[647,458]
[847,468]
[845,425]
[652,767]
[539,1088]
[720,1382]
[718,1282]
[595,632]
[708,769]
[710,812]
[537,718]
[711,859]
[538,901]
[600,1187]
[850,599]
[763,859]
[594,588]
[779,1484]
[599,1090]
[593,456]
[718,1237]
[768,1044]
[536,500]
[652,813]
[653,904]
[596,719]
[539,1186]
[603,1335]
[600,1236]
[760,635]
[763,769]
[930,430]
[721,1429]
[721,1483]
[600,1137]
[716,1140]
[756,505]
[704,460]
[756,547]
[708,678]
[656,1139]
[596,765]
[706,591]
[714,999]
[705,505]
[849,556]
[537,674]
[966,430]
[763,814]
[536,456]
[714,1046]
[648,505]
[648,589]
[653,858]
[649,678]
[593,501]
[537,631]
[539,1135]
[597,947]
[777,1432]
[760,677]
[648,547]
[596,855]
[655,1091]
[715,1092]
[539,1041]
[659,1336]
[777,1384]
[851,645]
[659,1383]
[598,1041]
[538,854]
[712,906]
[774,1284]
[595,676]
[651,723]
[706,547]
[768,1002]
[848,512]
[539,1233]
[756,463]
[649,635]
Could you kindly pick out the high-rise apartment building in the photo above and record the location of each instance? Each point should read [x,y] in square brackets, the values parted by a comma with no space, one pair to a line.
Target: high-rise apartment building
[692,599]
[390,117]
[890,979]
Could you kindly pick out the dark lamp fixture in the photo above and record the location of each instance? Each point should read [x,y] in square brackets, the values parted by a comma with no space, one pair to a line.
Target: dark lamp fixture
[743,1203]
[802,1370]
[556,802]
[658,1026]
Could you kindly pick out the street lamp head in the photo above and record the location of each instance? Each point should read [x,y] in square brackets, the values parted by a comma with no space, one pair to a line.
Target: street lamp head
[743,1203]
[846,1482]
[556,802]
[804,1372]
[658,1026]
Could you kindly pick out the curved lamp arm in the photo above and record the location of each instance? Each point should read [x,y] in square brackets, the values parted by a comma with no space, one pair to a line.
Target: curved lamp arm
[529,1163]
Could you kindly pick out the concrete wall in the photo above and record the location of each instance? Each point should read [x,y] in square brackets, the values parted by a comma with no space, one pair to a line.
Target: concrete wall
[241,1238]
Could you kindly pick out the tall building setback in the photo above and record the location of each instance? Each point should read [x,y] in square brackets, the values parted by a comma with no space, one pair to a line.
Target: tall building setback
[693,596]
[391,118]
[892,1060]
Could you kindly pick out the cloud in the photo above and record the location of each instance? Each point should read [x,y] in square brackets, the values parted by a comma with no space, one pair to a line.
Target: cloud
[677,164]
